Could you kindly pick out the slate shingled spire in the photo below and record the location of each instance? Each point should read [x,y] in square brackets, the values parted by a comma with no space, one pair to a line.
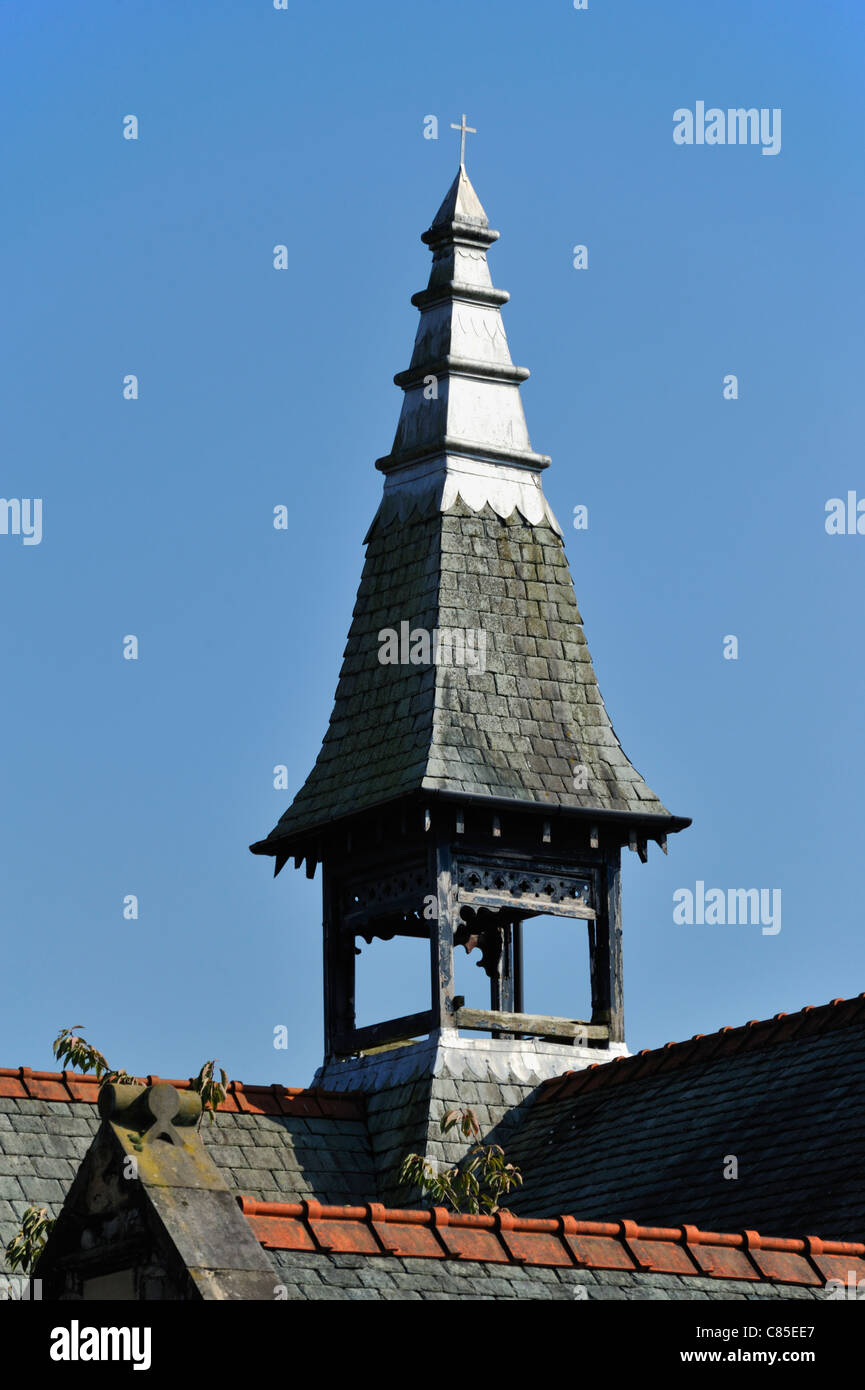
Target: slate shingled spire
[464,541]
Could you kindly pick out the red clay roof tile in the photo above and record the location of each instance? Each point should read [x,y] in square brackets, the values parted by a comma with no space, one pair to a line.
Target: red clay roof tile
[469,1237]
[704,1048]
[406,1233]
[560,1241]
[11,1085]
[42,1087]
[22,1083]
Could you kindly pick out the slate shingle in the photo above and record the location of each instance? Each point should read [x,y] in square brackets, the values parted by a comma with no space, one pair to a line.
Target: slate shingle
[401,728]
[323,1276]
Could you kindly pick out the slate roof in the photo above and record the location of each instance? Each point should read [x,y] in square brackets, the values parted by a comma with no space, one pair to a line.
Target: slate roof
[350,1278]
[464,540]
[648,1137]
[640,1142]
[271,1143]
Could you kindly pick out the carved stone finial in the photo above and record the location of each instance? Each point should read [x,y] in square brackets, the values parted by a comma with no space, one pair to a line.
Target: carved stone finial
[164,1104]
[154,1111]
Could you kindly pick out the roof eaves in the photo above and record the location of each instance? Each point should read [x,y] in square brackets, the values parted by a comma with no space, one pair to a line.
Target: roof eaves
[652,823]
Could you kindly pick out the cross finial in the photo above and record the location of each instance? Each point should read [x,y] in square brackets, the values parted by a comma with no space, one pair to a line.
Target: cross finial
[464,130]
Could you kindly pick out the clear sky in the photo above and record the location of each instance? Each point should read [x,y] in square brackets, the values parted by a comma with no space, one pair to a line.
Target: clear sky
[259,387]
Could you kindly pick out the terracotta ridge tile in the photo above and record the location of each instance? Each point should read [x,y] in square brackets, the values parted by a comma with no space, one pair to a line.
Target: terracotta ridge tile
[703,1048]
[24,1083]
[552,1241]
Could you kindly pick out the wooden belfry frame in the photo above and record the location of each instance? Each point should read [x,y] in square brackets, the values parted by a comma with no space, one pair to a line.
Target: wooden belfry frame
[466,875]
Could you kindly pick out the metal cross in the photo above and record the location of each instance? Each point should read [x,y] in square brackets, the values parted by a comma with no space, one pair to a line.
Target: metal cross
[464,131]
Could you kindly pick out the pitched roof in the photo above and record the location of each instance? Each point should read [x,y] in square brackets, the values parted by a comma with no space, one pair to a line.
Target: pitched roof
[632,1152]
[169,1229]
[269,1141]
[464,542]
[653,1136]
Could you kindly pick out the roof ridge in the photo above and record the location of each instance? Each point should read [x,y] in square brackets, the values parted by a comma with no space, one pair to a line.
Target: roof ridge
[705,1047]
[562,1241]
[23,1083]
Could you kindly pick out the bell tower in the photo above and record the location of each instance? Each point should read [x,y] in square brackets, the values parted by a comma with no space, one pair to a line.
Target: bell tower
[470,778]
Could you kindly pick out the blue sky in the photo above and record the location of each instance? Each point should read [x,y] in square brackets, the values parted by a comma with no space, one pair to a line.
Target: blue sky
[257,388]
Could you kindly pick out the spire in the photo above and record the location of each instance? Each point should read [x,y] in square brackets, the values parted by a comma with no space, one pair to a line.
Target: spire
[462,431]
[470,765]
[465,541]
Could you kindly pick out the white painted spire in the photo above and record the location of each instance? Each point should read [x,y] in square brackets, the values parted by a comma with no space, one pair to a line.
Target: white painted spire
[462,431]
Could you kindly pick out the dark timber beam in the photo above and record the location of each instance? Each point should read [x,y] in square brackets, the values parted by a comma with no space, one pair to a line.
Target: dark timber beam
[605,952]
[377,1034]
[339,970]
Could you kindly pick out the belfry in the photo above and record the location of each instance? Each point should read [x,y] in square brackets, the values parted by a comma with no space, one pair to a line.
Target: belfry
[457,796]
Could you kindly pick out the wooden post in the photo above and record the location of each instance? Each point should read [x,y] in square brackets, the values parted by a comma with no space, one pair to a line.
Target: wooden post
[498,983]
[339,969]
[517,955]
[502,992]
[506,990]
[442,940]
[605,951]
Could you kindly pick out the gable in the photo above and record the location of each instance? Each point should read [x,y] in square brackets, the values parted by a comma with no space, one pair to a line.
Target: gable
[270,1143]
